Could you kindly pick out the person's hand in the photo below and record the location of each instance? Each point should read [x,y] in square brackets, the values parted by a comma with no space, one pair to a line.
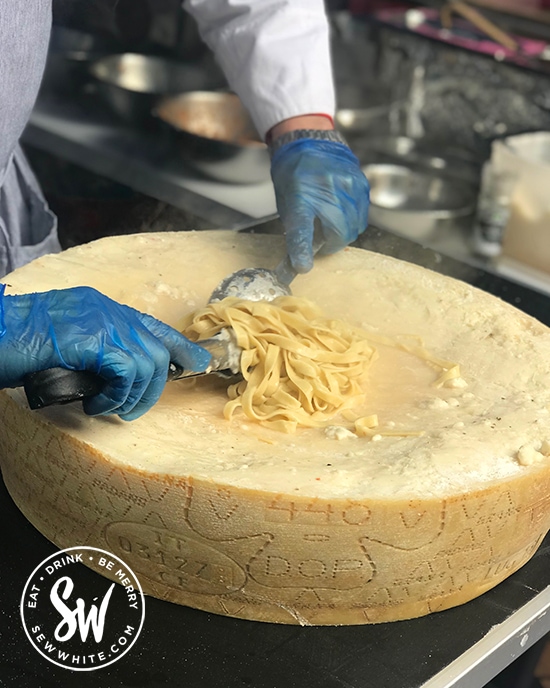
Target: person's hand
[323,180]
[81,329]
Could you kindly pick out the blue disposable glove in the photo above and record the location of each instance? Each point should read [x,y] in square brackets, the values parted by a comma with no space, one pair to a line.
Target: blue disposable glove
[81,329]
[323,180]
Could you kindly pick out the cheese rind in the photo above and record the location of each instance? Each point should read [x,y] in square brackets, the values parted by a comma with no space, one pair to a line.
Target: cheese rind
[240,520]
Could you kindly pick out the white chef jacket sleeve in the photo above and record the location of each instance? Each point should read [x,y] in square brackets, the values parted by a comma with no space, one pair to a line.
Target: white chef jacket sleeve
[274,53]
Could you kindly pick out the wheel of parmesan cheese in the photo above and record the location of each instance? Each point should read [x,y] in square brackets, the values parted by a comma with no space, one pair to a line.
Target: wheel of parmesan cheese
[319,526]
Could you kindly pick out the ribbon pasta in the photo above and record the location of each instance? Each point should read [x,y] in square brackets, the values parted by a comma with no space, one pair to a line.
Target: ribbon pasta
[299,368]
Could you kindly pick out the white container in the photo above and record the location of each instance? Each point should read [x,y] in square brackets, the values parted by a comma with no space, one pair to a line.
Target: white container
[527,234]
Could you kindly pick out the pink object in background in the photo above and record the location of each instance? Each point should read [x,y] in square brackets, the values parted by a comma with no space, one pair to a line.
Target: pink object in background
[426,22]
[371,6]
[522,4]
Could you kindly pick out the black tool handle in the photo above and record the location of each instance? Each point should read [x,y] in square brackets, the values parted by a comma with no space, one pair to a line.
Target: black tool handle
[62,386]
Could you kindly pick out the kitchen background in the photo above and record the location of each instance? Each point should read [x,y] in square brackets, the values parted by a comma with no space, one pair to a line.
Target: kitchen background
[426,94]
[423,89]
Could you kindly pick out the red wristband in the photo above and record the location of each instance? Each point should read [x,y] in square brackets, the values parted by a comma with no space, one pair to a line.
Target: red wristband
[322,114]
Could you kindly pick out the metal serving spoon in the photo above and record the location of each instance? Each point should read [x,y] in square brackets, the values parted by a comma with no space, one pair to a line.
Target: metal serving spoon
[261,284]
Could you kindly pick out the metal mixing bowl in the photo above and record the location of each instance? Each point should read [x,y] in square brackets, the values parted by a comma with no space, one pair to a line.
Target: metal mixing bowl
[418,153]
[213,132]
[416,203]
[131,84]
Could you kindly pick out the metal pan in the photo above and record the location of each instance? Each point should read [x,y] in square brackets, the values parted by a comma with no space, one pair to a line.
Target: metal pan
[415,203]
[213,132]
[131,84]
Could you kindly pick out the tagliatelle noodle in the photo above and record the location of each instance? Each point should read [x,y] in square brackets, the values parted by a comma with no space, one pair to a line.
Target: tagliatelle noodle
[299,368]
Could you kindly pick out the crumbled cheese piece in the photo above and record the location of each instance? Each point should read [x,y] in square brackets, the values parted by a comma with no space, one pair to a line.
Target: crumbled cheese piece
[337,432]
[545,448]
[376,438]
[528,455]
[456,383]
[453,402]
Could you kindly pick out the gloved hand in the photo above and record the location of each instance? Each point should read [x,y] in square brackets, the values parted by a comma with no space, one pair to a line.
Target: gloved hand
[81,329]
[324,180]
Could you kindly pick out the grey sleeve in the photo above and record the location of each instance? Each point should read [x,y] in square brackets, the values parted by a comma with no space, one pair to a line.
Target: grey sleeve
[24,34]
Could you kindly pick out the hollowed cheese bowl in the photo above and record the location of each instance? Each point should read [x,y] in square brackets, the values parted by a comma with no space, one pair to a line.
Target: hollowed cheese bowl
[318,526]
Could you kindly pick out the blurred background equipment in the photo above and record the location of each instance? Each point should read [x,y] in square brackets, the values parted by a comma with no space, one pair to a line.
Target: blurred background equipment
[132,84]
[426,87]
[416,203]
[526,235]
[214,133]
